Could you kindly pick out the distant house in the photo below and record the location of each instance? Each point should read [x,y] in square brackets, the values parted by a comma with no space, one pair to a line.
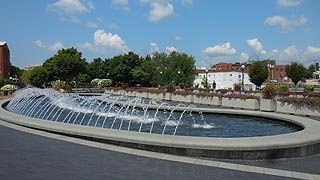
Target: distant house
[4,60]
[226,75]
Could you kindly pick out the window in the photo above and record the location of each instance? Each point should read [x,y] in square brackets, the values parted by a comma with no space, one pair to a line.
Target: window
[281,69]
[239,76]
[230,75]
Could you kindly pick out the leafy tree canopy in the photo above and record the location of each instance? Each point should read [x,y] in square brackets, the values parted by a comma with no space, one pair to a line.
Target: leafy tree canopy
[296,71]
[258,73]
[66,65]
[38,76]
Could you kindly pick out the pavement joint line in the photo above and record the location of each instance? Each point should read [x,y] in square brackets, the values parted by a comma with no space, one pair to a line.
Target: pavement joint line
[162,156]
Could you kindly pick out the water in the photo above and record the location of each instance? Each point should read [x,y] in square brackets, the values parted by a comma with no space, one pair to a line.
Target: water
[135,114]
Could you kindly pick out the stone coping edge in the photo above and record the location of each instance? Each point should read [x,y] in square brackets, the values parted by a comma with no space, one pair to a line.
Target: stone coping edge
[302,143]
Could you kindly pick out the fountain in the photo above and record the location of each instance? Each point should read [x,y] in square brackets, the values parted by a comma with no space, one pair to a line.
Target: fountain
[165,126]
[139,115]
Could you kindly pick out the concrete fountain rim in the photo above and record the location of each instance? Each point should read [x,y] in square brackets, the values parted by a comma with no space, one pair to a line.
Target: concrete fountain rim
[299,141]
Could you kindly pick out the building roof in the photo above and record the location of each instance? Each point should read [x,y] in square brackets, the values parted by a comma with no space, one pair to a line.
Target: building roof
[2,43]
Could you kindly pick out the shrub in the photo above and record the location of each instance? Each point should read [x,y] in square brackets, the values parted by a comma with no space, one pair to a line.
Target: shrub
[237,87]
[269,92]
[301,100]
[59,84]
[104,83]
[170,88]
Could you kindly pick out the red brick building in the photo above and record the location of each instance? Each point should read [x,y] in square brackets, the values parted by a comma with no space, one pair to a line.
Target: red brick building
[278,74]
[4,60]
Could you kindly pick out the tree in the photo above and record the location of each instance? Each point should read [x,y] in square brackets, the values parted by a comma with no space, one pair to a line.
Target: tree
[25,77]
[146,74]
[97,69]
[66,65]
[120,68]
[38,76]
[258,73]
[296,71]
[15,71]
[175,67]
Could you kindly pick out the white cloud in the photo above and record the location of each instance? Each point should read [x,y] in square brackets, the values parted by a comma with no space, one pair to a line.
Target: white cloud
[312,52]
[244,56]
[160,11]
[292,53]
[285,23]
[154,47]
[186,2]
[177,38]
[92,25]
[107,39]
[70,7]
[288,3]
[224,49]
[51,47]
[106,43]
[68,10]
[170,50]
[255,44]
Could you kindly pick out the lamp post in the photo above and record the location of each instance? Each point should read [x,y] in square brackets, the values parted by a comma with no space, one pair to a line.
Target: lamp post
[207,78]
[179,77]
[160,78]
[271,66]
[243,67]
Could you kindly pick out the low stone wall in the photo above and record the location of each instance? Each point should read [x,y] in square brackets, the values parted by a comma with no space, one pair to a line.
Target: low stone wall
[253,104]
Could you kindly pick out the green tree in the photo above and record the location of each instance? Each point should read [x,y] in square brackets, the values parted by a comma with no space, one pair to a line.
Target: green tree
[25,77]
[258,73]
[66,65]
[296,71]
[175,67]
[204,82]
[146,74]
[97,69]
[15,71]
[38,76]
[120,68]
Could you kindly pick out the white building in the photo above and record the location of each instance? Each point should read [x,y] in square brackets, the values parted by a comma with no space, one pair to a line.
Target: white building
[224,80]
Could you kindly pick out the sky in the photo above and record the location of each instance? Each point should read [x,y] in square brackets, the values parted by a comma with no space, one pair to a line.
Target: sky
[212,31]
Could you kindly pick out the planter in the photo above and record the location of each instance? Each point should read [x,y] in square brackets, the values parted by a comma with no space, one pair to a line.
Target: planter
[141,94]
[108,91]
[182,98]
[269,105]
[207,100]
[130,93]
[291,108]
[168,96]
[154,95]
[241,103]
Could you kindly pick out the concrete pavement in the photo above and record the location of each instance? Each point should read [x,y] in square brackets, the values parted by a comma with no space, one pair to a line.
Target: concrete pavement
[26,155]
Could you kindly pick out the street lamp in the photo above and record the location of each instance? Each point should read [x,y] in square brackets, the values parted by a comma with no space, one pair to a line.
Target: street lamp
[160,78]
[271,66]
[243,67]
[207,78]
[178,77]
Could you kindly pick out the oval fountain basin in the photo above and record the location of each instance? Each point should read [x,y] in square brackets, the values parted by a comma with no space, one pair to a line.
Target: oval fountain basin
[140,115]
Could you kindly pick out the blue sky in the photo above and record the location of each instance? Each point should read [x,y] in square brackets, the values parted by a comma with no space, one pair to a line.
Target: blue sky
[212,31]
